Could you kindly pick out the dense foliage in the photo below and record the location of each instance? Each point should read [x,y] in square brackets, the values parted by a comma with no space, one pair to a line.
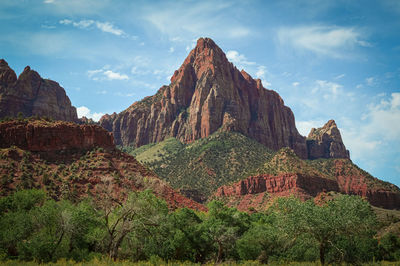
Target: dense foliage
[34,227]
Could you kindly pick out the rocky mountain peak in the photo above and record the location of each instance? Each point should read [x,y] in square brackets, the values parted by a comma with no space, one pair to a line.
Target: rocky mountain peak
[32,95]
[7,75]
[326,142]
[208,93]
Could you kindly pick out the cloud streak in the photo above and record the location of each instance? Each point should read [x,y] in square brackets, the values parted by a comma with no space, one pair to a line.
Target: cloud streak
[106,27]
[106,74]
[322,40]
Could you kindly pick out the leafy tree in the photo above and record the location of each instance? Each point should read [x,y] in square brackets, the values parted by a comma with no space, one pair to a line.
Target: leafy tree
[343,217]
[389,247]
[187,238]
[263,240]
[15,219]
[140,212]
[223,226]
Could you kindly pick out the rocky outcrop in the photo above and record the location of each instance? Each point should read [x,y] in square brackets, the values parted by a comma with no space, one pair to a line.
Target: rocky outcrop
[43,136]
[102,173]
[32,96]
[208,93]
[326,142]
[346,179]
[283,184]
[354,181]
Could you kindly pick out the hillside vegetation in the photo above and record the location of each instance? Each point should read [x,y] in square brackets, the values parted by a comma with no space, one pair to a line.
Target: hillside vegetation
[204,165]
[199,168]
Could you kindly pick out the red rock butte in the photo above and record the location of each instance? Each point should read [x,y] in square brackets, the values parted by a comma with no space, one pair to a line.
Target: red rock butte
[208,93]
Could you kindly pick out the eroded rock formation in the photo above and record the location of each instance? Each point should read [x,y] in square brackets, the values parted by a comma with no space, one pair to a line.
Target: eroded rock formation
[208,93]
[32,95]
[326,142]
[43,136]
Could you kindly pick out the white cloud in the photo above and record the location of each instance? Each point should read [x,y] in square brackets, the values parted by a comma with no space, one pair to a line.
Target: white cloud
[304,127]
[237,58]
[114,75]
[110,28]
[107,27]
[106,74]
[261,71]
[330,90]
[379,129]
[340,76]
[198,19]
[171,50]
[84,111]
[325,40]
[48,1]
[295,84]
[370,81]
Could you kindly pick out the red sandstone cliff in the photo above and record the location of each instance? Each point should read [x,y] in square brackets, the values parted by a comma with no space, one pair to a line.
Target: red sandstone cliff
[326,142]
[43,136]
[347,179]
[208,93]
[32,95]
[99,172]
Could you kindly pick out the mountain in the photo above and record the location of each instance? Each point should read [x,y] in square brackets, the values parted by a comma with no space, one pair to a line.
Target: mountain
[207,93]
[32,95]
[215,129]
[73,161]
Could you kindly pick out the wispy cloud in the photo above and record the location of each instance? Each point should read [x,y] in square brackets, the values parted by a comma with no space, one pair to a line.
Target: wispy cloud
[107,27]
[237,58]
[330,90]
[105,74]
[198,19]
[324,40]
[377,132]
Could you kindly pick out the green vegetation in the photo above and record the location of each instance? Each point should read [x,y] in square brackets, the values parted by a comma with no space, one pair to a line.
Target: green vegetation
[36,228]
[206,164]
[226,157]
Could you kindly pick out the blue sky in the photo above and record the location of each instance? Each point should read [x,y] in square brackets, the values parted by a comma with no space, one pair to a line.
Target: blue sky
[327,59]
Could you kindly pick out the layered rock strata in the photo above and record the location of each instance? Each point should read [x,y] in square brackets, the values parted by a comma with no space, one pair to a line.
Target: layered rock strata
[43,136]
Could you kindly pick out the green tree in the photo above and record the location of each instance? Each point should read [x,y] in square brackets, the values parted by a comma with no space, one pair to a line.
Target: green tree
[389,247]
[223,226]
[343,217]
[15,219]
[187,240]
[140,212]
[264,239]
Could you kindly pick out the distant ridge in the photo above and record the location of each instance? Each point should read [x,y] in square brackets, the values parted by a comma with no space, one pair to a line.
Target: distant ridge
[32,95]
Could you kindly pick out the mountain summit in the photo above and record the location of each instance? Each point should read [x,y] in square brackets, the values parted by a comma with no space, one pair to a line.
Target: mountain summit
[32,95]
[206,94]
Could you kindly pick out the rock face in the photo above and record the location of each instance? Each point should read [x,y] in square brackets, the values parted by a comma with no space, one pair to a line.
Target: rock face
[347,179]
[83,171]
[32,95]
[42,136]
[206,94]
[326,142]
[282,184]
[355,182]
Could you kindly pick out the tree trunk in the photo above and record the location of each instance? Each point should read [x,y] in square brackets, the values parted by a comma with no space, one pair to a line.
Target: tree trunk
[219,256]
[322,253]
